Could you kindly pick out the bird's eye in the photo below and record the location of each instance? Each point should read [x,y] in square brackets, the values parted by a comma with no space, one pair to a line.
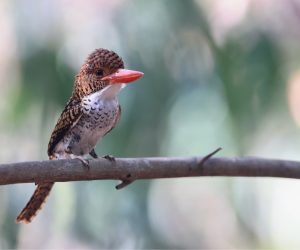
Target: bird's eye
[99,72]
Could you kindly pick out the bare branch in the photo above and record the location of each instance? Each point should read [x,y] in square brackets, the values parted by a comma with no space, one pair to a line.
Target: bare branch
[145,168]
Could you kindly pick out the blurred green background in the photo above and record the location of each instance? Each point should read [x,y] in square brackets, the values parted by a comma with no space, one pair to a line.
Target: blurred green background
[217,73]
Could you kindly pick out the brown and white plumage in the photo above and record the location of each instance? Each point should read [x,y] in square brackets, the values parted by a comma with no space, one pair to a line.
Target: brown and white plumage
[92,111]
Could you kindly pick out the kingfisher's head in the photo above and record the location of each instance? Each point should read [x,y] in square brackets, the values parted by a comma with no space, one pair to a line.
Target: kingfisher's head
[102,68]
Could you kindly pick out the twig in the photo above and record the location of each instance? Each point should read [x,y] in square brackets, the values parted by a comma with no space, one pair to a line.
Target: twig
[129,180]
[207,157]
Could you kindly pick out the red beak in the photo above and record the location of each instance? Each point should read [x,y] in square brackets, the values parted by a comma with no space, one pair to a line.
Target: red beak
[123,76]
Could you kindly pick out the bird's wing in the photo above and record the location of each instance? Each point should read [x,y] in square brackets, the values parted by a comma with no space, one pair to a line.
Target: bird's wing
[68,118]
[116,120]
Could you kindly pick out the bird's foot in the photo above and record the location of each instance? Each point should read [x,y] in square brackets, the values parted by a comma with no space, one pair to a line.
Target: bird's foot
[94,154]
[110,158]
[70,155]
[84,162]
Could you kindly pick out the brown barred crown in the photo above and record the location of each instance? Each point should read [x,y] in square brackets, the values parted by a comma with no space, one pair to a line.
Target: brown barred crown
[104,58]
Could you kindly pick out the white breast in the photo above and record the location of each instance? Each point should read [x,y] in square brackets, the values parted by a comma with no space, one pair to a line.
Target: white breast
[100,113]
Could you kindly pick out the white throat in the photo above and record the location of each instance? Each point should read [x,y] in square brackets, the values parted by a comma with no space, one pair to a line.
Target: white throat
[111,91]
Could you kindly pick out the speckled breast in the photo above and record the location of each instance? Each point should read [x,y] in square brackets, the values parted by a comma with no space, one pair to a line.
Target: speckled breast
[99,117]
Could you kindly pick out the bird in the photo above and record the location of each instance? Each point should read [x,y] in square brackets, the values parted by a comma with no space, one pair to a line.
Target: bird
[91,112]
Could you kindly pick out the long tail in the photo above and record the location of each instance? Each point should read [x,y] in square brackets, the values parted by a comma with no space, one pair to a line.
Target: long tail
[35,203]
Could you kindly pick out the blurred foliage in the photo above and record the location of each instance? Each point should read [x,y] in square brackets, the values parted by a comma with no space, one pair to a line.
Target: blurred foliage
[252,81]
[43,81]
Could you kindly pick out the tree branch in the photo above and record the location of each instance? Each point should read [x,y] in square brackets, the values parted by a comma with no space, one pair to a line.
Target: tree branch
[129,169]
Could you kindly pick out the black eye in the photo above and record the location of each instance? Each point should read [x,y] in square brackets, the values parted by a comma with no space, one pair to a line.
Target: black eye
[99,72]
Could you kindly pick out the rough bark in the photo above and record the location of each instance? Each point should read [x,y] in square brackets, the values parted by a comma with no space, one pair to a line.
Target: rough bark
[129,169]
